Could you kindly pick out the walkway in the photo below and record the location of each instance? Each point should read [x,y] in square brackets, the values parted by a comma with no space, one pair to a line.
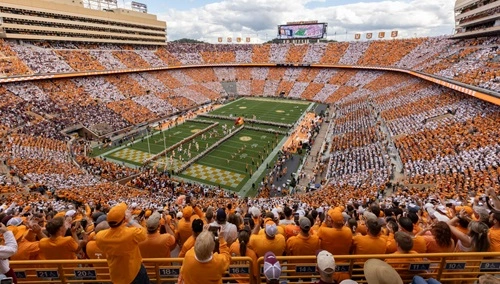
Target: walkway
[311,160]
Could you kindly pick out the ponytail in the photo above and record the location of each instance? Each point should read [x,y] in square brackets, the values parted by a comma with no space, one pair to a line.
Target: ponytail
[244,238]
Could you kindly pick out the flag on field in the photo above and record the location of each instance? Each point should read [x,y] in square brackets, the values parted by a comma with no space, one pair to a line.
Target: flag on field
[239,121]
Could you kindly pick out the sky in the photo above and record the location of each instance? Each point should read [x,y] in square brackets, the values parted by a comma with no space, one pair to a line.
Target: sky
[207,20]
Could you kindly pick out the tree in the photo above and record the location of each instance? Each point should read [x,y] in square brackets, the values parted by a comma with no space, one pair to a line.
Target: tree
[187,40]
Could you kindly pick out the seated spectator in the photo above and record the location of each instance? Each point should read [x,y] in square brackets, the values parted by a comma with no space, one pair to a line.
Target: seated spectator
[404,242]
[157,245]
[440,239]
[372,243]
[272,268]
[240,248]
[209,266]
[326,267]
[269,241]
[197,228]
[379,272]
[57,245]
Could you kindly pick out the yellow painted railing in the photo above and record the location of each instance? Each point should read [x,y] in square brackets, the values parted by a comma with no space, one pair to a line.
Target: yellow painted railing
[445,267]
[160,270]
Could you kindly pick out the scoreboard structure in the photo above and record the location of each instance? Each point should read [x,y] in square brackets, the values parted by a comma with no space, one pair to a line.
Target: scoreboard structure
[302,30]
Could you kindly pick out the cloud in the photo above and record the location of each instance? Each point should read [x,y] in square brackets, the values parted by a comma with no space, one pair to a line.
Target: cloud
[259,18]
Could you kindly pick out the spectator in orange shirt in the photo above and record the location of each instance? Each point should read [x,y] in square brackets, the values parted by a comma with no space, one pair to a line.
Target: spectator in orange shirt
[120,244]
[334,236]
[92,250]
[28,250]
[189,213]
[57,246]
[240,248]
[440,239]
[201,264]
[406,225]
[269,241]
[304,243]
[404,243]
[494,234]
[373,242]
[197,228]
[157,245]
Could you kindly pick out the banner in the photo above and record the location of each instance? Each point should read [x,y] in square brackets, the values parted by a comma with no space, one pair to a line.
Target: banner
[357,36]
[219,39]
[368,35]
[394,33]
[229,39]
[247,39]
[238,39]
[381,34]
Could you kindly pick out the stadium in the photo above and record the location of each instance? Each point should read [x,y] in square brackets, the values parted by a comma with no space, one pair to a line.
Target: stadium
[98,109]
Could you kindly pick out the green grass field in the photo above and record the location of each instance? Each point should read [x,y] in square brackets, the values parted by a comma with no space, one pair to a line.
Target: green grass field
[232,163]
[282,111]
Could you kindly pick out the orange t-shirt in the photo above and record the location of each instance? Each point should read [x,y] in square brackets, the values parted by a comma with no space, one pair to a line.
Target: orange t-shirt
[184,231]
[335,241]
[369,244]
[301,245]
[94,252]
[419,244]
[122,251]
[433,247]
[58,248]
[157,245]
[188,244]
[392,246]
[235,251]
[27,250]
[494,235]
[194,271]
[261,244]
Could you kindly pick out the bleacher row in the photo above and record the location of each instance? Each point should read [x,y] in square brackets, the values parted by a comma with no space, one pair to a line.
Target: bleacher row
[471,61]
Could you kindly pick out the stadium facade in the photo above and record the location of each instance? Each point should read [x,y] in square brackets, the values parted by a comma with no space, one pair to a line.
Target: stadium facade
[67,20]
[476,18]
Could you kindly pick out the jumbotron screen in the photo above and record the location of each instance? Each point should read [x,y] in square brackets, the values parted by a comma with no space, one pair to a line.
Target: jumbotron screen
[301,31]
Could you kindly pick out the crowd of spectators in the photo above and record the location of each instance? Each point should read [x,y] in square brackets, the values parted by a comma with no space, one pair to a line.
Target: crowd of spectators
[456,59]
[448,143]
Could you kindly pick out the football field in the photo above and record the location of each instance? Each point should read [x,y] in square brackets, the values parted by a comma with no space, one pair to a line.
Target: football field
[211,149]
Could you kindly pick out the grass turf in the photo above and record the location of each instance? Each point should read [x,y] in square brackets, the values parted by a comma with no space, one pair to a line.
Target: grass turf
[240,150]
